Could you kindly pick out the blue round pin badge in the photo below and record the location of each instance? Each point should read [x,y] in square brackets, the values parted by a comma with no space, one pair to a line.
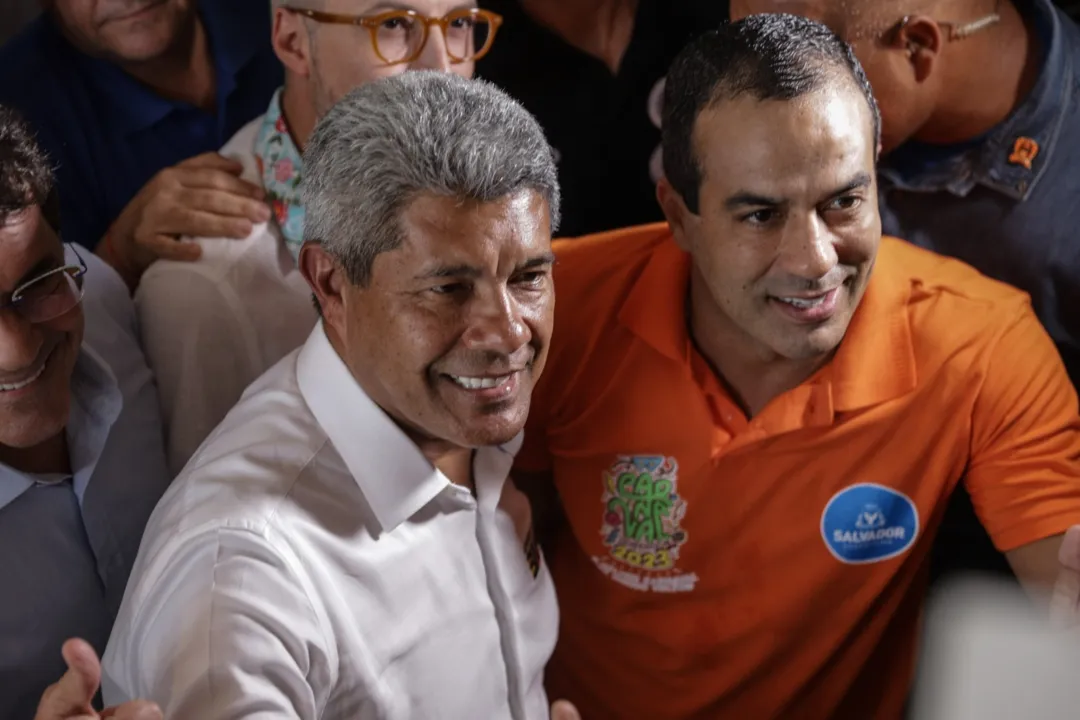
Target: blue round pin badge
[868,523]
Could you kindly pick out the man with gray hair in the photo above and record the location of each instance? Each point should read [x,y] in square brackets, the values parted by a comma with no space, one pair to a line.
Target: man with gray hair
[346,543]
[210,328]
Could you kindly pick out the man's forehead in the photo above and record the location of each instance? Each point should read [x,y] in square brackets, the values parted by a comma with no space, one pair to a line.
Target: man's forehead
[447,225]
[813,137]
[366,7]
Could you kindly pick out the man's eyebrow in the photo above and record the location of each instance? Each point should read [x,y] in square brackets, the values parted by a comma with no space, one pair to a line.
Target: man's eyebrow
[748,199]
[388,5]
[862,180]
[472,272]
[744,199]
[547,258]
[451,271]
[42,266]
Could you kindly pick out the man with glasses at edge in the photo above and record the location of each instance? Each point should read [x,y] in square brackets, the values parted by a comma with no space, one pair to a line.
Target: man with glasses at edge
[211,327]
[82,461]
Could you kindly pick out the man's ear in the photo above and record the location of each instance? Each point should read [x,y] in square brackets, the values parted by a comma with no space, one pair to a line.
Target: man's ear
[679,217]
[292,42]
[327,281]
[922,39]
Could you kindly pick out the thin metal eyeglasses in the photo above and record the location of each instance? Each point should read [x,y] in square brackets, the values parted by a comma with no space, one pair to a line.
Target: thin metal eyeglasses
[399,36]
[51,294]
[954,30]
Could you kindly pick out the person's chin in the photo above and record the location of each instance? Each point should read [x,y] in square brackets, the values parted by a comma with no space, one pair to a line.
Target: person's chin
[497,428]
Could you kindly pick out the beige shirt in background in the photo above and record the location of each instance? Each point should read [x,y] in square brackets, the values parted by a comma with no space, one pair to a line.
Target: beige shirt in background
[211,327]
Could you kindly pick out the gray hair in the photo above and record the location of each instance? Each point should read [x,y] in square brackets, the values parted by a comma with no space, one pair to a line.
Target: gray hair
[419,132]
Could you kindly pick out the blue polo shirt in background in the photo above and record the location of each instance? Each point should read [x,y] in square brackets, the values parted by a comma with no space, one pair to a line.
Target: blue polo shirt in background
[108,134]
[980,202]
[1007,203]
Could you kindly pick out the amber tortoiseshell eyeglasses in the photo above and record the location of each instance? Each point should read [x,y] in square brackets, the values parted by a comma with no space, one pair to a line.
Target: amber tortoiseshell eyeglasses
[399,36]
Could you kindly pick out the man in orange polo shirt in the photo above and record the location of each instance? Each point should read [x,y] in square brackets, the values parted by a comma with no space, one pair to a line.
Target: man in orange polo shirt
[753,436]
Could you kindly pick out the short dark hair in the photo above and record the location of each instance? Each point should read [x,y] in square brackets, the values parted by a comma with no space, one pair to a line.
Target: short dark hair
[769,57]
[26,177]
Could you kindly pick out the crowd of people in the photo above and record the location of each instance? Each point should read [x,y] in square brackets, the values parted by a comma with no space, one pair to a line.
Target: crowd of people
[528,358]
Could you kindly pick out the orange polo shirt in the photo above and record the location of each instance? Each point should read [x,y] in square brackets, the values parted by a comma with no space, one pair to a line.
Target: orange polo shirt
[714,566]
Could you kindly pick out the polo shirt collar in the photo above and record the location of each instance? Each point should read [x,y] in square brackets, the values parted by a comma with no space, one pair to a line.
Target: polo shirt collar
[131,106]
[396,479]
[96,403]
[655,308]
[997,161]
[874,363]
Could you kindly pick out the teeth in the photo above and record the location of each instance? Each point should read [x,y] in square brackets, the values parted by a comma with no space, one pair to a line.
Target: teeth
[485,383]
[803,302]
[24,383]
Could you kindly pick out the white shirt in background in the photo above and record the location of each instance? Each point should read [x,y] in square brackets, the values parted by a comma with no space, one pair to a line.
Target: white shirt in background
[310,562]
[211,327]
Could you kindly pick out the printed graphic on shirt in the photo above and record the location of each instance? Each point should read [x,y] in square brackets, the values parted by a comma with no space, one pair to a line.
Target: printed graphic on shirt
[868,523]
[640,524]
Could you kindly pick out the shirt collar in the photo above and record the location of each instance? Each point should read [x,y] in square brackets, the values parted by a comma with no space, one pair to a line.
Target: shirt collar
[96,403]
[875,361]
[655,308]
[1001,161]
[394,476]
[131,106]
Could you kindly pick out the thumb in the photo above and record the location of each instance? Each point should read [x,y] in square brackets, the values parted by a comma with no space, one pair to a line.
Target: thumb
[72,695]
[564,710]
[135,710]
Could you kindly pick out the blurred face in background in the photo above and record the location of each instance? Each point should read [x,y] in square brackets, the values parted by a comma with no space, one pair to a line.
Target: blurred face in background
[124,31]
[906,87]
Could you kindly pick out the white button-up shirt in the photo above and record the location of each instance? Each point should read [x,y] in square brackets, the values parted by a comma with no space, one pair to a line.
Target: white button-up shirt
[311,563]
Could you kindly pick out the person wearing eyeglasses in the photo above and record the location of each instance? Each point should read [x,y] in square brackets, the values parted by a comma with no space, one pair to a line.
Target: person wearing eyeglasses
[980,107]
[212,327]
[82,459]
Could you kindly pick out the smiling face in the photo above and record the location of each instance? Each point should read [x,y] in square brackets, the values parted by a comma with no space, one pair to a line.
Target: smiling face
[36,360]
[788,224]
[124,31]
[452,331]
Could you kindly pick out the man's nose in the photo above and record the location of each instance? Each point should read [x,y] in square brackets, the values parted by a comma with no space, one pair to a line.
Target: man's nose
[20,342]
[807,250]
[497,324]
[434,55]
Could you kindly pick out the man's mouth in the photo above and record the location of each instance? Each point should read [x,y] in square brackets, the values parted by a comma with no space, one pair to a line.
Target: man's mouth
[805,302]
[129,13]
[20,384]
[480,383]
